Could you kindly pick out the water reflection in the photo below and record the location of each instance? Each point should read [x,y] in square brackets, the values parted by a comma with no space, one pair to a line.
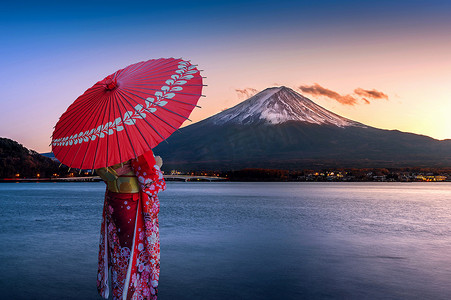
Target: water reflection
[240,240]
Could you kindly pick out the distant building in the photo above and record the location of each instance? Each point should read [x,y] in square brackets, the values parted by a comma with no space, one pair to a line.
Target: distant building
[430,178]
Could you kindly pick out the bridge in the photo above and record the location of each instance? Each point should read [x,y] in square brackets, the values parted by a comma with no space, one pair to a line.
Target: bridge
[168,177]
[184,178]
[187,178]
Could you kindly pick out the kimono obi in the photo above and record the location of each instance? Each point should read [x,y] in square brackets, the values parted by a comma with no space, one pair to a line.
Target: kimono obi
[119,178]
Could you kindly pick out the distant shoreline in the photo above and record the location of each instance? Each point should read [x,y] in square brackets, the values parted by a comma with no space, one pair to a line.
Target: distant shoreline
[35,180]
[66,179]
[184,178]
[270,175]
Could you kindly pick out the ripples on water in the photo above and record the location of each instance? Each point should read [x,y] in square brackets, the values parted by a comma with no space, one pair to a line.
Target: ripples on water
[240,240]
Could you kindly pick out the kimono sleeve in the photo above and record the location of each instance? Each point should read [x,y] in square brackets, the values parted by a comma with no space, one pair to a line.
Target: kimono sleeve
[149,174]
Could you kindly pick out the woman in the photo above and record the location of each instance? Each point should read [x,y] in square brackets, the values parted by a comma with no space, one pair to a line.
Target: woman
[129,237]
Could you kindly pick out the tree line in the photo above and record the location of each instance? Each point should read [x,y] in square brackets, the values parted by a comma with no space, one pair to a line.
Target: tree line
[18,161]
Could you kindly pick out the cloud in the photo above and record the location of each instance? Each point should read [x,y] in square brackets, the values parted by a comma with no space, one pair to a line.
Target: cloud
[318,90]
[246,92]
[366,101]
[360,95]
[370,94]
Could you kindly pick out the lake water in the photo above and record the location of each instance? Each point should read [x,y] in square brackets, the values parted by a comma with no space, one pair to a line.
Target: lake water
[240,240]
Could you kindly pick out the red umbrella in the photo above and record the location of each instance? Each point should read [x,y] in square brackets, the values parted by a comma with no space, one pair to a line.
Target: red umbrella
[127,113]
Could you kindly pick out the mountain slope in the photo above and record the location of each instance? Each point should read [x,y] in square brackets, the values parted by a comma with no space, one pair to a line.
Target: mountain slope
[279,128]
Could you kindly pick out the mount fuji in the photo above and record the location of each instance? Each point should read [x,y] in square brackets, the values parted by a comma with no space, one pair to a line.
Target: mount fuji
[279,105]
[280,128]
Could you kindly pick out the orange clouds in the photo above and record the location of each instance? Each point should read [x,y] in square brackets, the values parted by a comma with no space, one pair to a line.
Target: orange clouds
[318,90]
[360,95]
[370,94]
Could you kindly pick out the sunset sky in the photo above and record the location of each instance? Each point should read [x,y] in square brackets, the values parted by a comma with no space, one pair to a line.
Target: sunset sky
[386,64]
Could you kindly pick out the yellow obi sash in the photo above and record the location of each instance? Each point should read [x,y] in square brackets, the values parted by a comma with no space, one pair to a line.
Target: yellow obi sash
[124,183]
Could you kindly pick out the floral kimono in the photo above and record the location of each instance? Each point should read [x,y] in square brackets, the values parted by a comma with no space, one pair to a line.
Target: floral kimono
[129,237]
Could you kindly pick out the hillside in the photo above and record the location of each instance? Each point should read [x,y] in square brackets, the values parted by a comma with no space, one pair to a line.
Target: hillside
[16,159]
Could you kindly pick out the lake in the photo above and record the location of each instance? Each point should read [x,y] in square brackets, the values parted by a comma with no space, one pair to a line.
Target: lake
[228,240]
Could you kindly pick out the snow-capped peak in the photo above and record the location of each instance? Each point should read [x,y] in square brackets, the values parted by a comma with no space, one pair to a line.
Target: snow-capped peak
[278,105]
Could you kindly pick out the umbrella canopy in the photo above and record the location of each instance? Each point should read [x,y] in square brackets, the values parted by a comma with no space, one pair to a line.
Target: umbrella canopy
[127,113]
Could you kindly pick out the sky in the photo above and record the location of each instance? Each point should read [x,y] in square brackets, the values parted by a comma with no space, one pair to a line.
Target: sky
[386,64]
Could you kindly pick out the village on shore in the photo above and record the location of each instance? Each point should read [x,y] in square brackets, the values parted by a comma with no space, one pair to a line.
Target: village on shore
[332,175]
